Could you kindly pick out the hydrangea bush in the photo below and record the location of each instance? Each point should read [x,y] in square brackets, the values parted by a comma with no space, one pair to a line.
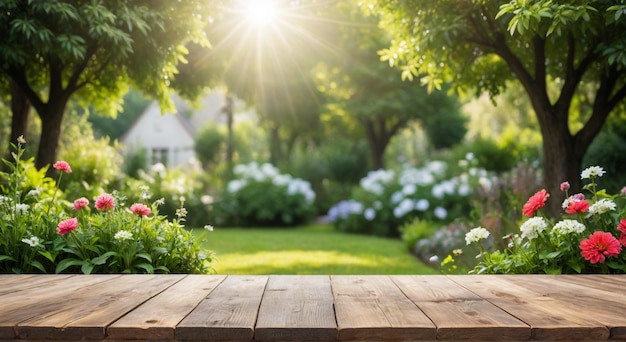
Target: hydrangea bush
[43,233]
[387,200]
[589,237]
[262,196]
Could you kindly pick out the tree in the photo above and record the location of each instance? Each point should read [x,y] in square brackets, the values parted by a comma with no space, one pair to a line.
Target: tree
[362,89]
[564,53]
[51,51]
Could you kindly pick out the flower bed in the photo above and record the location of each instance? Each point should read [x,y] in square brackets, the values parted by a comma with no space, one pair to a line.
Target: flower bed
[44,233]
[588,238]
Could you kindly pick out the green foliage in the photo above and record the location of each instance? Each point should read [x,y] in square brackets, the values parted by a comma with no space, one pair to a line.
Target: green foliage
[96,162]
[261,196]
[94,52]
[114,127]
[415,230]
[210,143]
[43,233]
[332,169]
[609,150]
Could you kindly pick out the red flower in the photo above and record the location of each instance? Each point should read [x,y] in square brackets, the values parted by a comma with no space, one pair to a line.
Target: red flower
[105,202]
[140,209]
[622,239]
[62,165]
[577,207]
[536,202]
[622,226]
[598,246]
[81,203]
[67,226]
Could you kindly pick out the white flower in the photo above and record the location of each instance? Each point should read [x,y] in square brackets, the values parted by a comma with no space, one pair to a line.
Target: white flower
[369,214]
[34,193]
[602,206]
[533,226]
[201,256]
[208,227]
[592,171]
[422,204]
[21,208]
[33,241]
[567,227]
[123,235]
[441,213]
[476,234]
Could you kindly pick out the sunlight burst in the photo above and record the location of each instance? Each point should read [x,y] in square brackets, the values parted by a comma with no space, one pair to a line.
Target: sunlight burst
[260,12]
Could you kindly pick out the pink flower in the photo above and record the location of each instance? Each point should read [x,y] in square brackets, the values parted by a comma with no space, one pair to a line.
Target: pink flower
[62,165]
[80,203]
[577,206]
[140,209]
[535,202]
[623,192]
[67,226]
[598,246]
[105,202]
[622,226]
[564,186]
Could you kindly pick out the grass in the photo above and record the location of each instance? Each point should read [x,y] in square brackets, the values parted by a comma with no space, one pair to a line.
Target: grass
[315,249]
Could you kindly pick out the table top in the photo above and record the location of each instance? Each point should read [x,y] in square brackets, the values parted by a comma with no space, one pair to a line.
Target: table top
[312,307]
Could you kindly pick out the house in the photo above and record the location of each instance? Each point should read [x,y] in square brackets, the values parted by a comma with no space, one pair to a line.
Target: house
[169,138]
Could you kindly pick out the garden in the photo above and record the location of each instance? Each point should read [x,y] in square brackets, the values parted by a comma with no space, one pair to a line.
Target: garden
[416,142]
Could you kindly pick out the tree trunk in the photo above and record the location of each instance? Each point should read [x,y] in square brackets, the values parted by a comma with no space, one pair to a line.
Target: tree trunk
[20,108]
[51,121]
[561,162]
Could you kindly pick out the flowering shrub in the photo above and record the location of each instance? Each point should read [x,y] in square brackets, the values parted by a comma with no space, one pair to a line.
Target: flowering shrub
[588,238]
[43,233]
[387,200]
[261,195]
[178,187]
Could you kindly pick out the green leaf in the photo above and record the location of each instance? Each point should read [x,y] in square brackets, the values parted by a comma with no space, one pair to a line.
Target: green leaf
[6,257]
[65,263]
[36,264]
[102,259]
[147,267]
[87,268]
[145,256]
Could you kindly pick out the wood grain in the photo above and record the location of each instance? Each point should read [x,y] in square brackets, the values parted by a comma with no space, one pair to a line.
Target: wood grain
[158,317]
[373,307]
[228,313]
[297,308]
[459,313]
[549,317]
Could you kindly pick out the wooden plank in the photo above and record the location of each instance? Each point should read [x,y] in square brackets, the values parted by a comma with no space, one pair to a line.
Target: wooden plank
[373,307]
[549,317]
[297,308]
[228,313]
[19,282]
[157,318]
[459,313]
[33,302]
[605,306]
[86,312]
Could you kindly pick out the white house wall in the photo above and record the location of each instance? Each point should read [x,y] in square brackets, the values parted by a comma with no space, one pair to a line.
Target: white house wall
[155,131]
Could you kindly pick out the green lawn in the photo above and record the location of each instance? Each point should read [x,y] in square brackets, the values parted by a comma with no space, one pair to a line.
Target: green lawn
[316,249]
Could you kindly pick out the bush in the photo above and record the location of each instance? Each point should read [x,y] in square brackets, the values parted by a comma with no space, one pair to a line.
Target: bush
[387,200]
[261,196]
[44,233]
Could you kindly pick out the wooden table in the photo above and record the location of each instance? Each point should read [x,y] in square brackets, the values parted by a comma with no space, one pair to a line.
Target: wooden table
[316,308]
